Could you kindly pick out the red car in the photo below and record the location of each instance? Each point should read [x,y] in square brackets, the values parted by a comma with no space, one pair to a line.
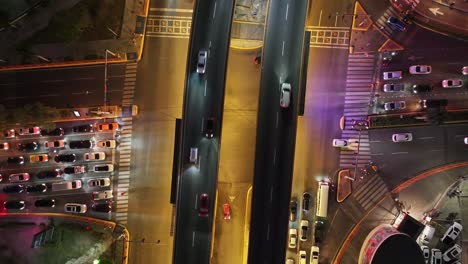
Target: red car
[204,205]
[227,211]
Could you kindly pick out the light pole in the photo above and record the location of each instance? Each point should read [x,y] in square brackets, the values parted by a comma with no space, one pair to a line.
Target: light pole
[105,78]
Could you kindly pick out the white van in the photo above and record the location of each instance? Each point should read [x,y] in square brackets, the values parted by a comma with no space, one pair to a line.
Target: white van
[322,199]
[68,185]
[426,235]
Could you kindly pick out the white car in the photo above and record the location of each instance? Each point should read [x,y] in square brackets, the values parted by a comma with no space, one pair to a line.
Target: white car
[106,144]
[304,230]
[302,257]
[340,143]
[94,156]
[436,256]
[103,182]
[426,253]
[452,233]
[314,255]
[393,75]
[452,83]
[292,237]
[75,208]
[19,177]
[201,64]
[102,195]
[393,87]
[465,140]
[54,144]
[420,69]
[103,168]
[4,146]
[465,70]
[389,106]
[402,137]
[452,253]
[285,96]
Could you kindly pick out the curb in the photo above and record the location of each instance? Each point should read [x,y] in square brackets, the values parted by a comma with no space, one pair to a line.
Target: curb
[245,250]
[341,198]
[61,64]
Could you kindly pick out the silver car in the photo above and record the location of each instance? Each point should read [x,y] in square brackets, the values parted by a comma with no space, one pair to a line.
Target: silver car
[389,106]
[420,69]
[285,96]
[393,87]
[201,64]
[392,75]
[452,83]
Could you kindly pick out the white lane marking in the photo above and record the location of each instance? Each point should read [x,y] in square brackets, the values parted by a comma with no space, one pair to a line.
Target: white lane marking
[425,138]
[376,154]
[214,11]
[287,9]
[277,116]
[202,121]
[396,153]
[336,18]
[282,49]
[209,46]
[83,78]
[320,18]
[196,198]
[374,141]
[434,150]
[193,238]
[205,89]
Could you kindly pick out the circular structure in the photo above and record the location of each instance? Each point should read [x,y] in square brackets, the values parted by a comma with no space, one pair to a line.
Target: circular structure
[386,245]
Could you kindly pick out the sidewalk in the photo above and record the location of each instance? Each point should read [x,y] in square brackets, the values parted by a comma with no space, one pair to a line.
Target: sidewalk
[128,46]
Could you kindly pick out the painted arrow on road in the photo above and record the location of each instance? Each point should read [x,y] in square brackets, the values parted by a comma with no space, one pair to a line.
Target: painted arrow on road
[435,11]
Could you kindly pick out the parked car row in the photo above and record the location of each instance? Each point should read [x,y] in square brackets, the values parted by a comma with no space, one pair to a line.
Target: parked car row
[434,255]
[104,207]
[59,158]
[37,131]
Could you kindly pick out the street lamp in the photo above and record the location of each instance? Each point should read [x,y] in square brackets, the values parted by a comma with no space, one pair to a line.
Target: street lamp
[105,78]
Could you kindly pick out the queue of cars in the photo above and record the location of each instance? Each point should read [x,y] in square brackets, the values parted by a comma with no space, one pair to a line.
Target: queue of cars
[435,255]
[102,197]
[417,88]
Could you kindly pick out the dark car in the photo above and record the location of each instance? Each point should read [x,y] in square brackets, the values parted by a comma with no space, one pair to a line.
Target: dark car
[49,174]
[83,128]
[433,103]
[396,24]
[422,88]
[44,203]
[74,169]
[29,146]
[13,189]
[58,132]
[36,188]
[204,205]
[16,160]
[14,205]
[318,235]
[209,127]
[102,207]
[81,144]
[65,158]
[292,210]
[305,201]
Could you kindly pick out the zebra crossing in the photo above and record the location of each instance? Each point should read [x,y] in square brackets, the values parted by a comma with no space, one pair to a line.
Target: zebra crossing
[358,92]
[370,192]
[357,95]
[125,143]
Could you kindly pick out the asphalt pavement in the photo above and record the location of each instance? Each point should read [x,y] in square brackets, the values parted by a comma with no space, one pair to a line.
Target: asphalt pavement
[204,98]
[276,131]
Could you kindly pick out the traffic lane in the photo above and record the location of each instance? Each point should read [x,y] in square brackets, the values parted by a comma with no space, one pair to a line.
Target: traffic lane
[330,14]
[31,79]
[61,94]
[445,15]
